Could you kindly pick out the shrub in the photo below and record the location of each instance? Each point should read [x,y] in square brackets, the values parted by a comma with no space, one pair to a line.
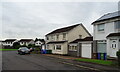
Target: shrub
[118,55]
[31,45]
[23,45]
[16,45]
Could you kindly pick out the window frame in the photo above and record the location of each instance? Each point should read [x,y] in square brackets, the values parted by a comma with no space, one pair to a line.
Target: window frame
[101,29]
[64,36]
[58,47]
[117,24]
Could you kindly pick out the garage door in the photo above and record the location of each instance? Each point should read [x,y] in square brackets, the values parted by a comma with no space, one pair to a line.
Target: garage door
[86,50]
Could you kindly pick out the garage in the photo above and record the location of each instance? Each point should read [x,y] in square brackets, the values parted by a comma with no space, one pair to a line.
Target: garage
[86,50]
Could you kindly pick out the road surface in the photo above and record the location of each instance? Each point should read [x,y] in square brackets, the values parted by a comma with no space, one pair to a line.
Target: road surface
[12,61]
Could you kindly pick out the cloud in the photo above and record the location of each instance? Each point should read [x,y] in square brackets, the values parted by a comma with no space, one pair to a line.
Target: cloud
[35,19]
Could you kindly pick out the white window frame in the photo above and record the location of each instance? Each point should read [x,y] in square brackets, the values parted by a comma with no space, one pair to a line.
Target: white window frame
[101,27]
[64,36]
[117,24]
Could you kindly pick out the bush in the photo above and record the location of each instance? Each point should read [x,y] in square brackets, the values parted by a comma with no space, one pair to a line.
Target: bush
[36,51]
[16,45]
[23,45]
[31,45]
[118,55]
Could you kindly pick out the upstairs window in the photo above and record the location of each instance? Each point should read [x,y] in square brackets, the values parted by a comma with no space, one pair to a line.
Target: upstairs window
[47,38]
[117,24]
[80,36]
[64,36]
[57,36]
[101,27]
[52,37]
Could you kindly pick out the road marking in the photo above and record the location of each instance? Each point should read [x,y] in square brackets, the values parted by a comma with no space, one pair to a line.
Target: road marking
[81,66]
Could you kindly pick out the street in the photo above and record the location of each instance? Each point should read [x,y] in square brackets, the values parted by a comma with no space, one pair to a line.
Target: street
[13,61]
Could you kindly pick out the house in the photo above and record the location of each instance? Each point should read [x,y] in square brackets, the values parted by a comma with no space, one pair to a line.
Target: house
[40,43]
[26,41]
[58,40]
[107,34]
[8,42]
[81,47]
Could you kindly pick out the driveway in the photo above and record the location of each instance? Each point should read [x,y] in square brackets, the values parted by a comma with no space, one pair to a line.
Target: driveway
[12,61]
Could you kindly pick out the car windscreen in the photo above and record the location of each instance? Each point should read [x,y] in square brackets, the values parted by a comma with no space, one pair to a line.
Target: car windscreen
[24,48]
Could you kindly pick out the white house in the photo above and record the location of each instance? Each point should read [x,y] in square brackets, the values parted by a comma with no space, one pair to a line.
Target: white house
[8,42]
[106,34]
[26,41]
[58,40]
[40,43]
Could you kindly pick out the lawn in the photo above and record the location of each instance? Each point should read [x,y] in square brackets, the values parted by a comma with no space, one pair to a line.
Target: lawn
[103,62]
[8,49]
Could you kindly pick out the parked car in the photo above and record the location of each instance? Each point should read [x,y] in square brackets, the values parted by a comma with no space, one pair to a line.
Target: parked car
[32,49]
[23,51]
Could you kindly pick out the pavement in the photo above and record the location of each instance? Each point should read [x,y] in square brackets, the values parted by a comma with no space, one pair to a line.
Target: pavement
[97,67]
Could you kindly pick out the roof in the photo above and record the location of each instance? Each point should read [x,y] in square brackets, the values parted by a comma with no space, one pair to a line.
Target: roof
[42,40]
[25,40]
[108,16]
[113,34]
[65,29]
[85,39]
[56,42]
[9,40]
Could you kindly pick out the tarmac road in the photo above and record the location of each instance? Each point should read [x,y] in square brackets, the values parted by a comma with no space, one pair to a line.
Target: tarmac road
[12,61]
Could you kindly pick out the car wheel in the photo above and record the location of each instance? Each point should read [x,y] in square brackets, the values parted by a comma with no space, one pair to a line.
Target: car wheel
[20,53]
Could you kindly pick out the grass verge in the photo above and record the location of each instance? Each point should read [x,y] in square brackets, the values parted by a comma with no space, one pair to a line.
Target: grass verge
[8,49]
[103,62]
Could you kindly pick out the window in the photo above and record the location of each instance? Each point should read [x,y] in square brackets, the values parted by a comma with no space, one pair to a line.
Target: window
[64,36]
[58,47]
[73,48]
[117,24]
[113,45]
[47,38]
[21,42]
[80,36]
[101,27]
[54,48]
[47,46]
[57,36]
[52,37]
[70,48]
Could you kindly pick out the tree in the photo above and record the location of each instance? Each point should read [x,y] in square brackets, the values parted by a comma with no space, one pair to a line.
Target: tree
[31,45]
[16,45]
[36,39]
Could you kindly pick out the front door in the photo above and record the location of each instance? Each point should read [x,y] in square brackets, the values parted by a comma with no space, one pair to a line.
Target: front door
[113,48]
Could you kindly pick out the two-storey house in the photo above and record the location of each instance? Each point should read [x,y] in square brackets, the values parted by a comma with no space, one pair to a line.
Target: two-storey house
[107,34]
[58,40]
[40,43]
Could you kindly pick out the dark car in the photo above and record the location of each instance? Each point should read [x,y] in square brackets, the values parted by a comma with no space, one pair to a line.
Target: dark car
[23,51]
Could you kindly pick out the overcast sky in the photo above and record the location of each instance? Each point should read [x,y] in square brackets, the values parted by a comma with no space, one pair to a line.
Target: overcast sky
[36,19]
